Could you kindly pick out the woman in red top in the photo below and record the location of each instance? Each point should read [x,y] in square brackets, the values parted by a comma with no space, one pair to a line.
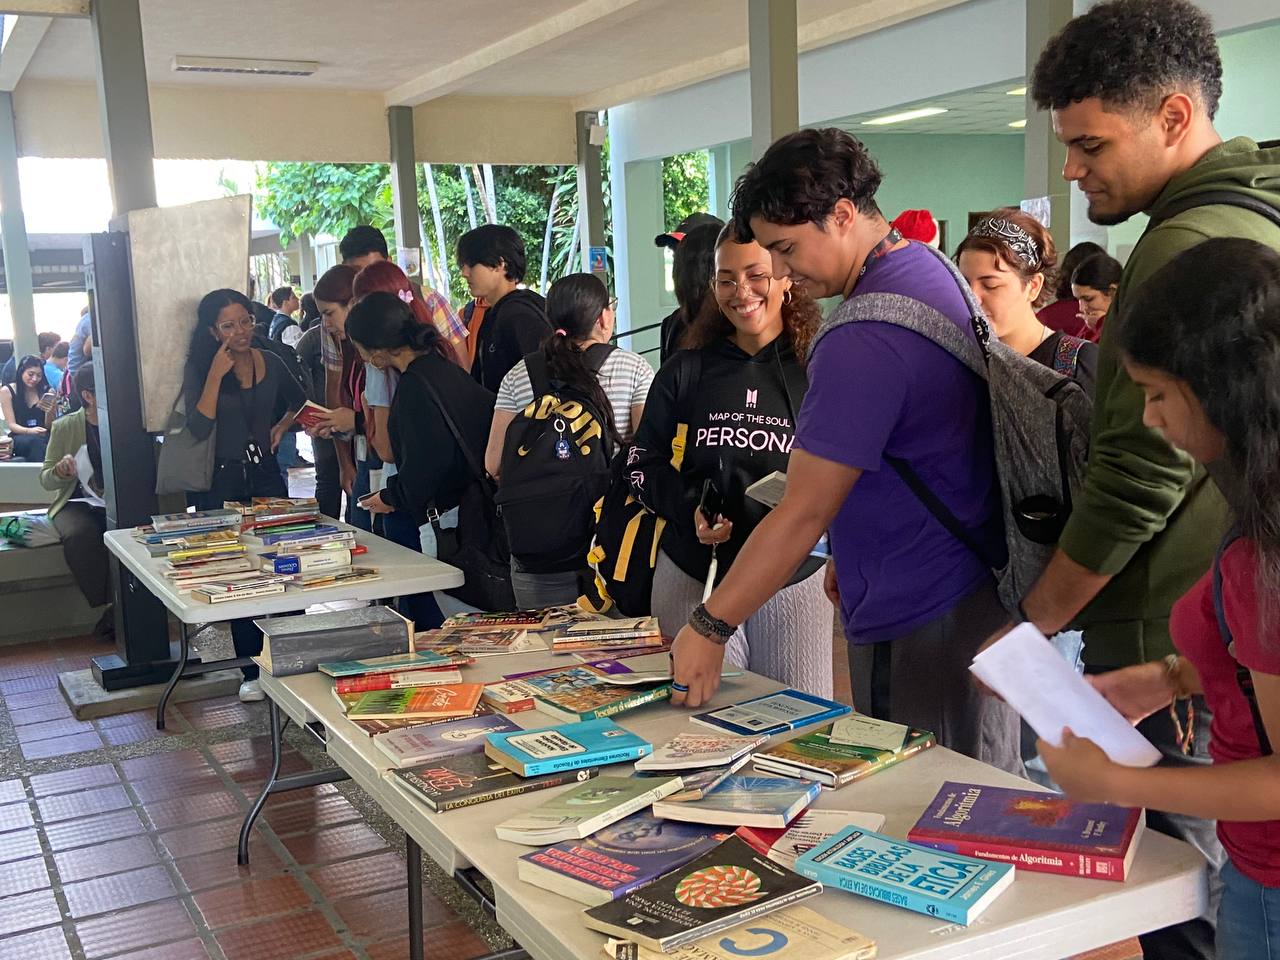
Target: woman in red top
[1203,343]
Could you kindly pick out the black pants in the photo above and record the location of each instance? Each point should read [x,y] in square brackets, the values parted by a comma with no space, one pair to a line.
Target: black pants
[81,527]
[328,486]
[242,480]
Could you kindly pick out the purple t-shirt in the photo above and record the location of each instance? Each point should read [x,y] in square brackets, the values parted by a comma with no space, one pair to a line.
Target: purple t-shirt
[877,389]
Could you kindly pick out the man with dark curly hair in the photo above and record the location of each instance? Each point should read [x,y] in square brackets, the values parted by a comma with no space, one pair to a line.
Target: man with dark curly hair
[916,602]
[1133,86]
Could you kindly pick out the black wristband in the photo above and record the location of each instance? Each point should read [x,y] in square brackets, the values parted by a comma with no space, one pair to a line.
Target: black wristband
[713,628]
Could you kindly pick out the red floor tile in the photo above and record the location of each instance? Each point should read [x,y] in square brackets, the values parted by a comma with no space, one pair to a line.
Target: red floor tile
[15,816]
[353,878]
[69,781]
[303,795]
[11,791]
[292,936]
[450,941]
[23,876]
[298,817]
[175,763]
[188,811]
[215,714]
[220,867]
[254,748]
[28,911]
[101,859]
[118,891]
[87,803]
[338,955]
[19,845]
[186,950]
[127,719]
[334,843]
[52,728]
[62,746]
[135,929]
[376,916]
[255,900]
[214,835]
[99,829]
[46,944]
[169,786]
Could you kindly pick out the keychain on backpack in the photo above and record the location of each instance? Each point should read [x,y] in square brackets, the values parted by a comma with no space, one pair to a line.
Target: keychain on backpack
[562,445]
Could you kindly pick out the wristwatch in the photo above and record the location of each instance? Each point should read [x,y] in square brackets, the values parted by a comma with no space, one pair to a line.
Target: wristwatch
[713,628]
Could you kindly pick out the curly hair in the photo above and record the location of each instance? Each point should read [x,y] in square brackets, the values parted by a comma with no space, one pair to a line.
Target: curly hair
[1131,53]
[1046,252]
[1211,318]
[801,177]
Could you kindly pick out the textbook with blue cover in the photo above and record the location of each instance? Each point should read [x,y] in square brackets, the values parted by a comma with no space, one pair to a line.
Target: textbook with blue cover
[745,801]
[773,713]
[945,885]
[592,743]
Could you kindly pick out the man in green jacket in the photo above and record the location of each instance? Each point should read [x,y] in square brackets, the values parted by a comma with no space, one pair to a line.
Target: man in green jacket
[77,513]
[1133,86]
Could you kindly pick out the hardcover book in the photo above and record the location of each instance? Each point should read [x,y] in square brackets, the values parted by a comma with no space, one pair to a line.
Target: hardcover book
[721,889]
[949,886]
[424,703]
[591,743]
[509,696]
[745,801]
[439,741]
[694,750]
[815,756]
[578,813]
[471,778]
[794,933]
[772,713]
[619,858]
[1041,832]
[786,845]
[421,660]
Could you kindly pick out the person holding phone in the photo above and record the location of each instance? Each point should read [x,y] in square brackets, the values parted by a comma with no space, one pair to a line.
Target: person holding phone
[28,406]
[721,415]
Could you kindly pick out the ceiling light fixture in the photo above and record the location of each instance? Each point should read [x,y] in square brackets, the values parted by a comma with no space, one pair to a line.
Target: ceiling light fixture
[1018,124]
[1017,92]
[260,68]
[904,116]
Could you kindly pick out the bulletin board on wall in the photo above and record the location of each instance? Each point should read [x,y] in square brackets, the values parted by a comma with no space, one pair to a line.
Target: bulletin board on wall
[179,254]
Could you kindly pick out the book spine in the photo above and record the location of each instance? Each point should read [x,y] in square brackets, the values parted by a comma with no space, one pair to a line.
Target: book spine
[1094,867]
[512,791]
[579,761]
[733,920]
[891,894]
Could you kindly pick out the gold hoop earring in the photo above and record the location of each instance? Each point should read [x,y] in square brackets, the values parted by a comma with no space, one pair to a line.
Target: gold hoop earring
[786,296]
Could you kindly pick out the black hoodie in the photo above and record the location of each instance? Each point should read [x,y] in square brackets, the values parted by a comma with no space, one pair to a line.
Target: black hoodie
[512,328]
[740,411]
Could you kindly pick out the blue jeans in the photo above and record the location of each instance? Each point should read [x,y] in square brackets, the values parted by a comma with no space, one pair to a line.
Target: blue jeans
[399,527]
[287,454]
[357,516]
[1248,918]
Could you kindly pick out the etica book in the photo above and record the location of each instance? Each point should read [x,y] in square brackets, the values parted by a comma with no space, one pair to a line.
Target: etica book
[592,743]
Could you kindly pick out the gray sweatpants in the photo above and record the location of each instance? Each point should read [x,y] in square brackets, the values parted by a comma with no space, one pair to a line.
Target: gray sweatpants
[788,639]
[923,680]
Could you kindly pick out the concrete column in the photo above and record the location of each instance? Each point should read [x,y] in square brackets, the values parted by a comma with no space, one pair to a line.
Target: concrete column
[306,263]
[590,197]
[1045,156]
[13,236]
[637,219]
[404,180]
[774,56]
[124,104]
[720,183]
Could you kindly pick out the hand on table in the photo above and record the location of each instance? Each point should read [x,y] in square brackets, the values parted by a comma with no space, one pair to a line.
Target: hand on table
[696,663]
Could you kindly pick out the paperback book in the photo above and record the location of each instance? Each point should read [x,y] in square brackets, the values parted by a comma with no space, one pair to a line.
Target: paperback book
[816,756]
[591,743]
[580,812]
[608,635]
[721,889]
[788,844]
[439,741]
[196,520]
[471,778]
[509,696]
[334,578]
[949,886]
[211,593]
[523,619]
[694,750]
[696,784]
[1041,832]
[396,663]
[423,703]
[745,801]
[619,858]
[397,681]
[480,642]
[306,561]
[793,933]
[581,693]
[772,713]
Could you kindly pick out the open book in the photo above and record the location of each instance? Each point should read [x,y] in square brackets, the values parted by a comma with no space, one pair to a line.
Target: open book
[309,416]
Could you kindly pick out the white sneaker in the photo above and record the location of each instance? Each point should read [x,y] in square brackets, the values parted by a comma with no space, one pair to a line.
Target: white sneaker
[251,692]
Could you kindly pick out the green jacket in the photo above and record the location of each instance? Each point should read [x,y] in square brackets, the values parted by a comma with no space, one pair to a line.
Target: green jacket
[66,437]
[1147,514]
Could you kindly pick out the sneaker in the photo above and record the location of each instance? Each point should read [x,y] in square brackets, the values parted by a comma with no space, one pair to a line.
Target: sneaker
[251,692]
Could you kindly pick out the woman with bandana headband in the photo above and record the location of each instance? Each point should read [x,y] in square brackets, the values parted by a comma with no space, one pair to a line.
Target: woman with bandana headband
[1009,259]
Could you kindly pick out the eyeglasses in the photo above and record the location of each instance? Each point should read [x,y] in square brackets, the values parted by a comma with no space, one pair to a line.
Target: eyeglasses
[227,326]
[757,283]
[613,304]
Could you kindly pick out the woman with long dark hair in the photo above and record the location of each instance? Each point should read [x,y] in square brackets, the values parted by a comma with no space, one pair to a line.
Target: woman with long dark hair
[578,355]
[720,416]
[1094,283]
[1064,312]
[27,406]
[1203,344]
[230,384]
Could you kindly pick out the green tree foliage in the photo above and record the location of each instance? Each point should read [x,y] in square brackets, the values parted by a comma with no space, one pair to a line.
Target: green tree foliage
[324,197]
[685,186]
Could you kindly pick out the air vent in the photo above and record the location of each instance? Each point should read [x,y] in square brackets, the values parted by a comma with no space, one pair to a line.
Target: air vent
[259,68]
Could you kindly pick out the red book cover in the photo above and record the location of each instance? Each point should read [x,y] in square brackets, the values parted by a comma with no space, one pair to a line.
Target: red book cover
[760,839]
[393,681]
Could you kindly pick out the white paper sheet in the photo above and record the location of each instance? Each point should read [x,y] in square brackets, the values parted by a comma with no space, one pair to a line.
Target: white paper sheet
[1037,682]
[84,471]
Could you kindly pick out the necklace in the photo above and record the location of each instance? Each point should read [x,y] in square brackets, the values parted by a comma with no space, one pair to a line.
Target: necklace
[887,243]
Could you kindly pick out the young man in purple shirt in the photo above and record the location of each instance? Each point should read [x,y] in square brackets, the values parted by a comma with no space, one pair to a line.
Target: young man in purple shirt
[916,602]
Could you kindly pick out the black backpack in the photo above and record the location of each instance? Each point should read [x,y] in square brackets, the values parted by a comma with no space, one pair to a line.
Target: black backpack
[555,466]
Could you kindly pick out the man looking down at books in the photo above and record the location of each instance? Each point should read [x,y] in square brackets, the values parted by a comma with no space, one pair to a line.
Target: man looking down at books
[916,602]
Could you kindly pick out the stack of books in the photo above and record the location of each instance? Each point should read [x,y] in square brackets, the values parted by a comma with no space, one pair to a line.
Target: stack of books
[230,589]
[191,523]
[609,636]
[833,761]
[424,669]
[481,639]
[702,761]
[265,515]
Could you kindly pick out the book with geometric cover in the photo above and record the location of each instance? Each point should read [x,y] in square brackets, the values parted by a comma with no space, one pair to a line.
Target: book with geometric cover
[619,858]
[794,933]
[815,756]
[694,749]
[451,700]
[472,778]
[578,813]
[721,889]
[438,741]
[945,885]
[591,743]
[745,801]
[1042,832]
[772,713]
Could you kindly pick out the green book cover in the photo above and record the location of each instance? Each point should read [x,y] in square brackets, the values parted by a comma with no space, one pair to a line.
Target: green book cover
[837,763]
[587,808]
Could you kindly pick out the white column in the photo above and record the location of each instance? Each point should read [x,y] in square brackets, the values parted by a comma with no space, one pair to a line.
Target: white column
[774,57]
[124,104]
[13,236]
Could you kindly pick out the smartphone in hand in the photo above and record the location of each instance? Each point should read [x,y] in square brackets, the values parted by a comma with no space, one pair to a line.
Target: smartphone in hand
[712,503]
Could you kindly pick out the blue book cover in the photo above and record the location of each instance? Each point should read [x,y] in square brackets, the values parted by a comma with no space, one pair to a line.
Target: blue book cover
[569,746]
[618,859]
[284,538]
[945,885]
[773,713]
[745,801]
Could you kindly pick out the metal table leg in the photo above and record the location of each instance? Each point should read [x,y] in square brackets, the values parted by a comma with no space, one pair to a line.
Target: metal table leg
[184,650]
[413,866]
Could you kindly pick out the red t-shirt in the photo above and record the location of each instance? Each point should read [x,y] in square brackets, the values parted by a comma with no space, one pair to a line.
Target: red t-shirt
[1253,847]
[1064,315]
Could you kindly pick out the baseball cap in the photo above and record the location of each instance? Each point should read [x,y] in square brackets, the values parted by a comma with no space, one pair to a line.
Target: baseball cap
[673,238]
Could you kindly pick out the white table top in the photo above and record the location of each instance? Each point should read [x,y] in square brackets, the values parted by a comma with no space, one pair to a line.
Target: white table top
[1041,916]
[404,572]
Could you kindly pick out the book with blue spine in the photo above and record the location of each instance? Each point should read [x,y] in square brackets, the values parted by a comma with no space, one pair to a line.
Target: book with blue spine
[745,801]
[592,743]
[773,713]
[287,536]
[949,886]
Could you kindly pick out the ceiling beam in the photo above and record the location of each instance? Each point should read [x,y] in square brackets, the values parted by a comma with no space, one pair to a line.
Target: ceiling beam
[863,18]
[450,77]
[19,48]
[45,8]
